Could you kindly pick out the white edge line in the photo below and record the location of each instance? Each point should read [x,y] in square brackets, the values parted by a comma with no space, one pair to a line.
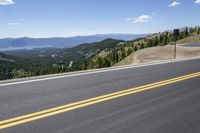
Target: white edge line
[98,71]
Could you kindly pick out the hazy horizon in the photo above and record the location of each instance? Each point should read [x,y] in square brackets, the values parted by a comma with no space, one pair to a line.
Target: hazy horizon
[101,34]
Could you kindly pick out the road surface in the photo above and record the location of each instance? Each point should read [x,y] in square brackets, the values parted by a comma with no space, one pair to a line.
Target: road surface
[194,44]
[170,103]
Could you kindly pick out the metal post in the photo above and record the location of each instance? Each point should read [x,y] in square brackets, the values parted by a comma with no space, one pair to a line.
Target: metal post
[175,50]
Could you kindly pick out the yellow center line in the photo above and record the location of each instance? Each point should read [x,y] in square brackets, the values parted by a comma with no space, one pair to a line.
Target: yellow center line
[61,109]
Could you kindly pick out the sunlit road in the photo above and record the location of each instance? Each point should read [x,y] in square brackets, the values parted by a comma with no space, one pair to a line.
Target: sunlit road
[161,98]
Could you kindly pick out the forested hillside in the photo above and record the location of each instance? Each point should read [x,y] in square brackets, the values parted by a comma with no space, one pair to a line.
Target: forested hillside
[5,57]
[111,57]
[102,54]
[7,67]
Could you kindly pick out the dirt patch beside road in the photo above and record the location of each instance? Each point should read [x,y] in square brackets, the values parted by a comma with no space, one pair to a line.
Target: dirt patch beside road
[164,53]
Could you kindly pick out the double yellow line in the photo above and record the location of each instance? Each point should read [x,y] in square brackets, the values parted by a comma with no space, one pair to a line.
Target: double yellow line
[61,109]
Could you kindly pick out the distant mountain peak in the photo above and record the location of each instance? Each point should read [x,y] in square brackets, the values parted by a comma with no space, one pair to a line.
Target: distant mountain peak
[61,42]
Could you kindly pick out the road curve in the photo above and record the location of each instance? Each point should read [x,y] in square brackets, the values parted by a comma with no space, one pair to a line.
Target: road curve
[156,98]
[194,44]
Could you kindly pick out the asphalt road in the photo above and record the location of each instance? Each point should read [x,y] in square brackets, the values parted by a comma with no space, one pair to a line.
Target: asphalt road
[172,108]
[194,44]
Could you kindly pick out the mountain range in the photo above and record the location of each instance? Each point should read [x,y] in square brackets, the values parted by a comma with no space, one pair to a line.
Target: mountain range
[60,42]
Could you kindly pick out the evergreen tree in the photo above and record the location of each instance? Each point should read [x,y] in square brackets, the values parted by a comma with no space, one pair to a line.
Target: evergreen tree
[106,62]
[116,57]
[99,62]
[161,39]
[155,41]
[141,45]
[165,41]
[123,54]
[135,48]
[186,32]
[198,31]
[129,51]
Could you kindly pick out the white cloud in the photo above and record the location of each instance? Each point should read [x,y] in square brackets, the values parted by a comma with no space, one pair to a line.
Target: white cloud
[142,19]
[15,24]
[175,3]
[197,2]
[6,2]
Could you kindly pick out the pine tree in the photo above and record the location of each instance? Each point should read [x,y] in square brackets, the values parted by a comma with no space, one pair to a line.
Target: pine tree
[106,62]
[129,51]
[141,45]
[186,32]
[135,48]
[99,62]
[166,39]
[123,54]
[160,39]
[155,41]
[198,31]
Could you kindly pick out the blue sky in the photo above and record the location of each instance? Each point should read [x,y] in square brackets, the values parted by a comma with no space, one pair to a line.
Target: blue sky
[63,18]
